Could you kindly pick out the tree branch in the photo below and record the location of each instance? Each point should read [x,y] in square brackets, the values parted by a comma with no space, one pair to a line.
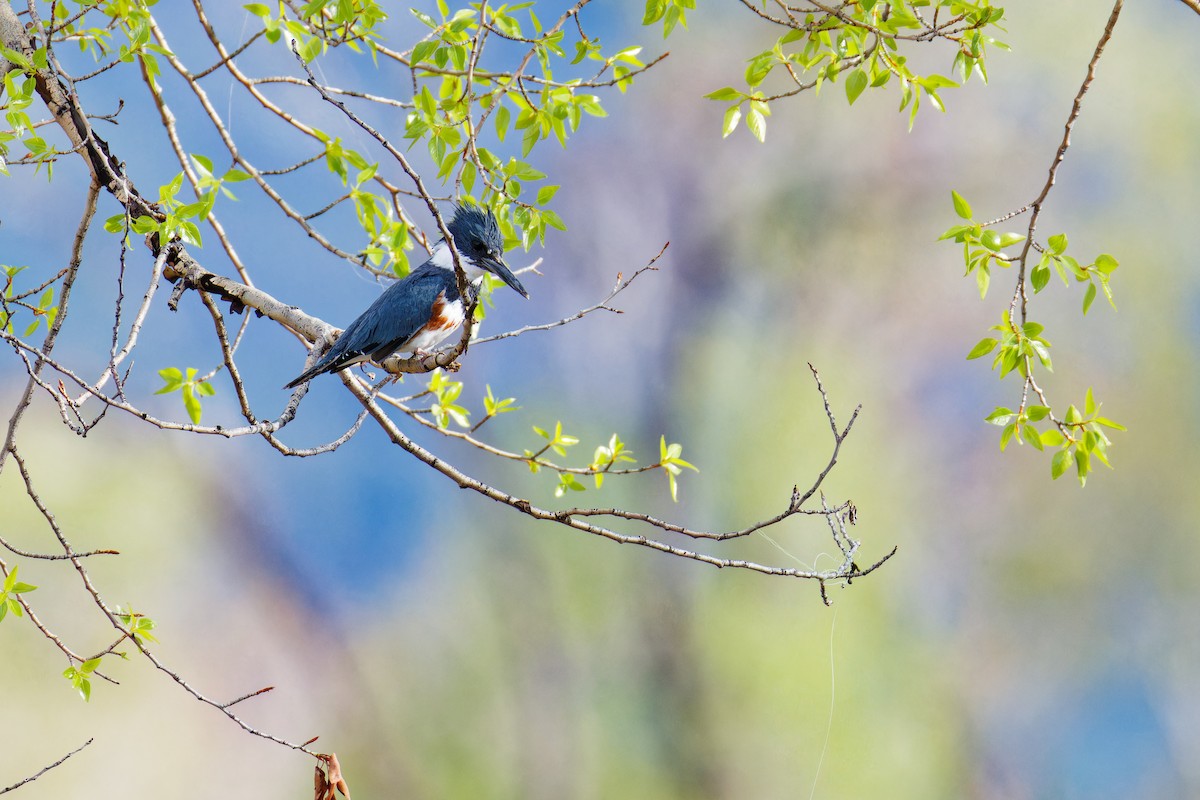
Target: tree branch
[1020,298]
[848,570]
[44,770]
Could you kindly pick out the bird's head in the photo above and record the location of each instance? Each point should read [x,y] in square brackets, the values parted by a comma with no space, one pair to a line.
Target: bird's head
[478,239]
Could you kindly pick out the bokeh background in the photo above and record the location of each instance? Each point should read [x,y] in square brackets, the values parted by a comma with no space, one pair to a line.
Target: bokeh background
[1030,639]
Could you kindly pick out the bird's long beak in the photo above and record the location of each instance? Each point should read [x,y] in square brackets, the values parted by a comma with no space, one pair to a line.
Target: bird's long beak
[498,267]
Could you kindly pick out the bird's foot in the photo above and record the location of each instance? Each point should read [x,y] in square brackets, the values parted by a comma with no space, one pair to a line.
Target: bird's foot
[453,366]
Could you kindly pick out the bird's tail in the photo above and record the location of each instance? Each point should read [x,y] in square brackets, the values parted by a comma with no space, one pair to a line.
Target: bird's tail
[307,375]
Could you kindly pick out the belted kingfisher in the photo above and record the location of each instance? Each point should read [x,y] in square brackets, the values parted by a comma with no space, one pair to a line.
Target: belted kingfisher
[418,311]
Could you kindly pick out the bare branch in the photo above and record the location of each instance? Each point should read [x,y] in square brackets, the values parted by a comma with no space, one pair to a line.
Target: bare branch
[44,770]
[1020,298]
[52,335]
[621,285]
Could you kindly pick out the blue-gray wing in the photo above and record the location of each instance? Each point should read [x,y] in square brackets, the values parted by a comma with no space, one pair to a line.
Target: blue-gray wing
[389,323]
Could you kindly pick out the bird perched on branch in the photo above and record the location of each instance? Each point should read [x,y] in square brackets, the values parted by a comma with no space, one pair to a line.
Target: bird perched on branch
[417,312]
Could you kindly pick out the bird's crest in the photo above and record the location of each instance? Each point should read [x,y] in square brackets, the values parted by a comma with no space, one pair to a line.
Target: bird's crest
[478,222]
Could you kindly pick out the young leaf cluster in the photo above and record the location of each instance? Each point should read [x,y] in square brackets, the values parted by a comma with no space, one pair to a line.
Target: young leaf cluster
[669,459]
[43,309]
[457,97]
[132,18]
[1079,436]
[1019,345]
[189,387]
[1097,273]
[608,456]
[325,23]
[670,12]
[179,219]
[983,247]
[445,392]
[136,625]
[612,458]
[80,677]
[9,591]
[863,40]
[19,89]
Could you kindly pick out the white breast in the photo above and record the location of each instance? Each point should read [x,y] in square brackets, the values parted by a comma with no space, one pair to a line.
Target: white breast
[444,319]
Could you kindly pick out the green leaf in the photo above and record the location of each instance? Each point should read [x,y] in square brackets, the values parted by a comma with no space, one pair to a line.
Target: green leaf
[855,84]
[727,93]
[983,278]
[191,403]
[204,162]
[759,67]
[1039,277]
[757,124]
[1106,263]
[568,481]
[956,232]
[1082,465]
[1006,435]
[984,347]
[144,225]
[1042,352]
[173,378]
[934,82]
[11,581]
[1088,297]
[1001,416]
[503,115]
[654,11]
[1058,465]
[311,49]
[1058,243]
[961,206]
[732,115]
[1052,438]
[674,15]
[1030,434]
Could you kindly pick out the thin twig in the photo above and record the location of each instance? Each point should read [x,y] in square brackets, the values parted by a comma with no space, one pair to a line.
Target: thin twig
[1020,298]
[44,770]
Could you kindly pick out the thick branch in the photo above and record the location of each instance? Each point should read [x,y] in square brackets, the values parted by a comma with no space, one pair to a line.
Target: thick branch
[106,169]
